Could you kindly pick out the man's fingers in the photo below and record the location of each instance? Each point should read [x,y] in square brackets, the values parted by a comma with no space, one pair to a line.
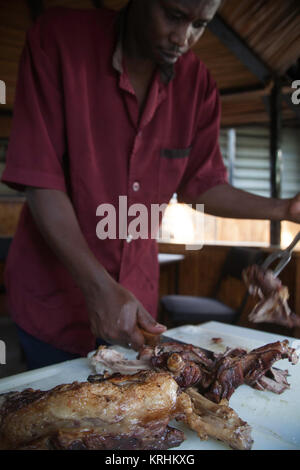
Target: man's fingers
[147,322]
[136,340]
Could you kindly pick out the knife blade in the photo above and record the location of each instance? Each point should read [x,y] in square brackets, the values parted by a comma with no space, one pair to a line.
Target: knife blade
[167,339]
[154,340]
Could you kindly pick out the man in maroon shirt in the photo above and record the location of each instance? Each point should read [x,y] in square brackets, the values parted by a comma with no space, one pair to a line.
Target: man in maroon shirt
[108,105]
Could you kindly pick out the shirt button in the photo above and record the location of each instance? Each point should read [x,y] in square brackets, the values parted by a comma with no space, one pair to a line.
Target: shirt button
[136,186]
[129,238]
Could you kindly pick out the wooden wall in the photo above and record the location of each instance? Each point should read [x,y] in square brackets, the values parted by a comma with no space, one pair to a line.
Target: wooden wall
[9,216]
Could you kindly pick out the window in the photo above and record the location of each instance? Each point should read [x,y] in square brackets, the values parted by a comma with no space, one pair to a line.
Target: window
[246,153]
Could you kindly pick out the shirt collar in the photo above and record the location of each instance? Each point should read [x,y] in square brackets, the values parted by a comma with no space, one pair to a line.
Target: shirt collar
[167,72]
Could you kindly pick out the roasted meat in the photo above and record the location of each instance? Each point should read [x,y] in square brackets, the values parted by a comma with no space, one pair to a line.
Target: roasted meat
[221,421]
[273,304]
[120,412]
[237,367]
[116,412]
[215,376]
[218,379]
[112,360]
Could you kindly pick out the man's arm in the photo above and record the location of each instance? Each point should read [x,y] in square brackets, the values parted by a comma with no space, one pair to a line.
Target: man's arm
[226,201]
[115,314]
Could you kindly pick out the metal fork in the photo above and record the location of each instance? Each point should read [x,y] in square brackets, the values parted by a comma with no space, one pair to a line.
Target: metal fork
[284,255]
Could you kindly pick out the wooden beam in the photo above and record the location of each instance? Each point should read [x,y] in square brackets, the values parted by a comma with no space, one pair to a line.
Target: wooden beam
[294,107]
[240,49]
[97,3]
[36,8]
[238,91]
[266,102]
[248,94]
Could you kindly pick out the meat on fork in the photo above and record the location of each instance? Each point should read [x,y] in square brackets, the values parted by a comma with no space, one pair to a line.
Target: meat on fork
[272,306]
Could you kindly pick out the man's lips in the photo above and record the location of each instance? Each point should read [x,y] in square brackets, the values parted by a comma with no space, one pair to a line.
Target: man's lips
[171,55]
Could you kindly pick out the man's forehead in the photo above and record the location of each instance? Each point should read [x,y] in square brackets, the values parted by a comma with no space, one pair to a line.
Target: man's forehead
[195,6]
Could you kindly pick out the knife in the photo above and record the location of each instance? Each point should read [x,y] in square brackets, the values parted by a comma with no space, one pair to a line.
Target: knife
[155,340]
[167,339]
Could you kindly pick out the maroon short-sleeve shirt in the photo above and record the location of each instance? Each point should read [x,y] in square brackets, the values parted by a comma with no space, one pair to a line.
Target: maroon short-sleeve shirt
[76,128]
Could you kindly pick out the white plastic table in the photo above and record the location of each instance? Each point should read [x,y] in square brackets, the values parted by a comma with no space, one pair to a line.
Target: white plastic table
[275,419]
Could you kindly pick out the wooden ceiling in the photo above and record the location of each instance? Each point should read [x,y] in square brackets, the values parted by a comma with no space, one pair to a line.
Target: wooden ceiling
[266,31]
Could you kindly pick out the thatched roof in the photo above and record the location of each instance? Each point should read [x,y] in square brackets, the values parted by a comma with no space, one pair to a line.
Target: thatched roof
[252,43]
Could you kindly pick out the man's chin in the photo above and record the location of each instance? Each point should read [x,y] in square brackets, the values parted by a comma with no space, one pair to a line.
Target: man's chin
[165,58]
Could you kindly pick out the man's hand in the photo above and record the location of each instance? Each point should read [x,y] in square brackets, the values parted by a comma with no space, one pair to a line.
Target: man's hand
[118,317]
[293,210]
[115,314]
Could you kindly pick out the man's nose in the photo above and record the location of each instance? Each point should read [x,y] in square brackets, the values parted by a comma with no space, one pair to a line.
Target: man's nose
[180,37]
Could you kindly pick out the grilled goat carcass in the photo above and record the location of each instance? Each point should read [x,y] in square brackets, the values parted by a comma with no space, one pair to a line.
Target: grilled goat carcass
[253,368]
[273,304]
[215,376]
[116,412]
[217,379]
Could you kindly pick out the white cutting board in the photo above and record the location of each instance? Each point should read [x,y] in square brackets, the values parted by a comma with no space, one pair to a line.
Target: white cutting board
[275,419]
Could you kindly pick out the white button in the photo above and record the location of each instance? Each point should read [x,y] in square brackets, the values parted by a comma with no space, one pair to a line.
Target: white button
[136,186]
[129,238]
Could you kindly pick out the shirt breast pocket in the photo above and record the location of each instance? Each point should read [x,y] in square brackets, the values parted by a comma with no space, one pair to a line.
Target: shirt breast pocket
[172,166]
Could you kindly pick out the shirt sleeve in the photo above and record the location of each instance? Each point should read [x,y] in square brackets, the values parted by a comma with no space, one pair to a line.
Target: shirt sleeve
[37,141]
[206,167]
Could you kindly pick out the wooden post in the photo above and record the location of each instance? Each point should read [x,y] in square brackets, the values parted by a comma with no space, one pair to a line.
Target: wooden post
[275,155]
[36,8]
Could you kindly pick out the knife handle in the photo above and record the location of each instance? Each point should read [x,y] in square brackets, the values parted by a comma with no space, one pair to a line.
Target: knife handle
[150,338]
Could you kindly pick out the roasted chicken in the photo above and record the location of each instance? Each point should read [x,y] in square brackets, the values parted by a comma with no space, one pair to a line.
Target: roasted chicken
[115,412]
